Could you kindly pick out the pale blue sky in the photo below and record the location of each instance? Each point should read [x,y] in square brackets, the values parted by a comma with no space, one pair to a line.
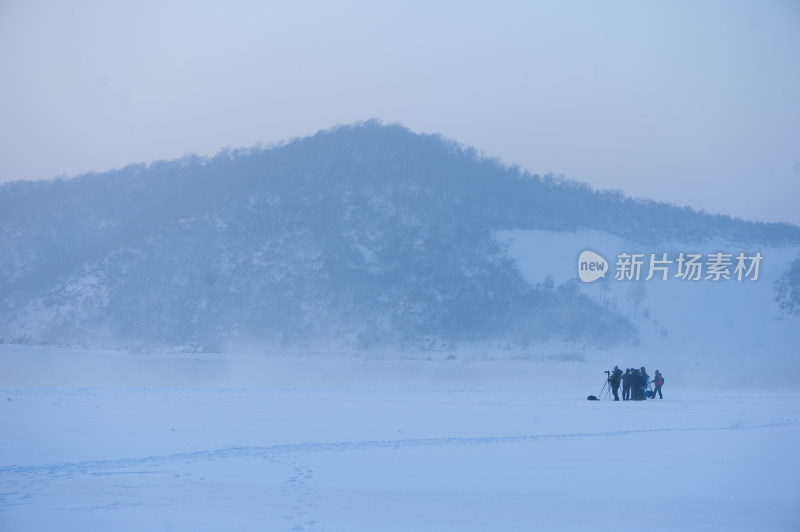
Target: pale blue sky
[690,102]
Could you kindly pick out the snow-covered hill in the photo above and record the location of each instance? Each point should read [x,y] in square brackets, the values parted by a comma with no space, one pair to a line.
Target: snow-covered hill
[361,237]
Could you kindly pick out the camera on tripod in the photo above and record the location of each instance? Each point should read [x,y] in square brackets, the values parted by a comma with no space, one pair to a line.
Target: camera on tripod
[606,388]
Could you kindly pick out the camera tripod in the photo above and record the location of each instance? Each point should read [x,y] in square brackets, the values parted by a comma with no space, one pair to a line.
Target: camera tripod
[605,388]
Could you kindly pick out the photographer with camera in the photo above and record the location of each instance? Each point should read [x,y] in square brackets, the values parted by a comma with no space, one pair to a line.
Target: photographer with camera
[636,385]
[626,384]
[614,381]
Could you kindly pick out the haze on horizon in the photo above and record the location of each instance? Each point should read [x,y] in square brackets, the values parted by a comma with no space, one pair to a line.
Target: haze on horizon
[693,103]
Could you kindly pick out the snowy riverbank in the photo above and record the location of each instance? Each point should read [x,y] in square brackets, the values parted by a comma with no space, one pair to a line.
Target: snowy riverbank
[382,444]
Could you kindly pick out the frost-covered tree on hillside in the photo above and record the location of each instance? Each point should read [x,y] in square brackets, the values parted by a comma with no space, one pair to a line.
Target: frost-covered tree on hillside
[788,290]
[636,293]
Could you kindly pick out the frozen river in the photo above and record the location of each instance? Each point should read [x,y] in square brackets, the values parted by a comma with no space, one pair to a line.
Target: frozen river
[477,451]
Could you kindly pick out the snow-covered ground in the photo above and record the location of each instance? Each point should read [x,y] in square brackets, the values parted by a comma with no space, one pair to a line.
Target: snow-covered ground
[120,441]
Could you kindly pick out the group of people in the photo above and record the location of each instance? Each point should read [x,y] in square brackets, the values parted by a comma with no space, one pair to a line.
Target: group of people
[635,383]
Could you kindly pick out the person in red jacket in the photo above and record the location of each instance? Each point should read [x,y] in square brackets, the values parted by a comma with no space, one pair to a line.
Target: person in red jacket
[658,382]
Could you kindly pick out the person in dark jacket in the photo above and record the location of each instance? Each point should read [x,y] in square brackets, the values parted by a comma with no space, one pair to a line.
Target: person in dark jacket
[614,380]
[639,385]
[658,381]
[645,382]
[626,385]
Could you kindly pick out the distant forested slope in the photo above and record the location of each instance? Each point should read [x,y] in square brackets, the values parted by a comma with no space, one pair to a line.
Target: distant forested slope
[364,235]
